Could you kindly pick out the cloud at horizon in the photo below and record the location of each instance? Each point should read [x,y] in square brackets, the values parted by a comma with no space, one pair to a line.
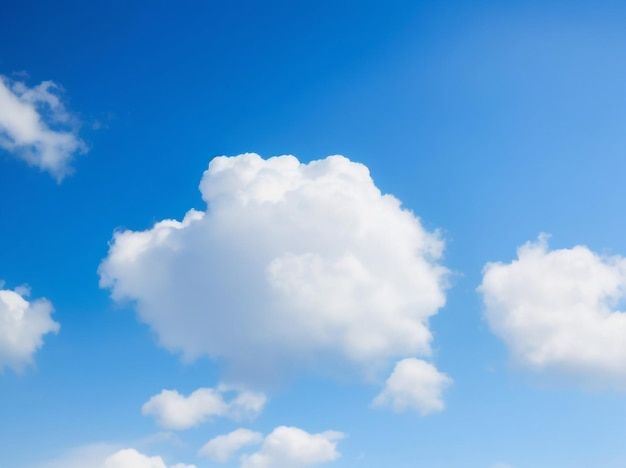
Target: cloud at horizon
[109,456]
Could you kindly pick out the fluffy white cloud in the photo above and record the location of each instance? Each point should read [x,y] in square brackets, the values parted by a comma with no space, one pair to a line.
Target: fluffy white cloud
[304,263]
[414,384]
[559,310]
[291,447]
[175,411]
[35,126]
[222,448]
[22,327]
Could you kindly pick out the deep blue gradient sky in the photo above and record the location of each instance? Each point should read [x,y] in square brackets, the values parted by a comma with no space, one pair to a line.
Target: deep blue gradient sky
[492,121]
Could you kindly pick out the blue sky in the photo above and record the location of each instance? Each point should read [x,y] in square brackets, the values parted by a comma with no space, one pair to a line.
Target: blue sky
[491,122]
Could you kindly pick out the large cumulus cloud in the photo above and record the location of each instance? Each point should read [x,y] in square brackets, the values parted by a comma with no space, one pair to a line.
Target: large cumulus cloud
[290,263]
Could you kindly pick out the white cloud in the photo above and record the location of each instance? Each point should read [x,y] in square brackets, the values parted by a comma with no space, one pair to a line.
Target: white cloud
[414,384]
[222,448]
[35,126]
[307,264]
[560,310]
[291,447]
[108,456]
[22,327]
[175,411]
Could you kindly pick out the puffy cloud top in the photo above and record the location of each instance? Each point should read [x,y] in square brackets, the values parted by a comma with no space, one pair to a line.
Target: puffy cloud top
[222,448]
[175,411]
[131,458]
[560,310]
[106,456]
[290,263]
[35,126]
[414,384]
[22,327]
[291,447]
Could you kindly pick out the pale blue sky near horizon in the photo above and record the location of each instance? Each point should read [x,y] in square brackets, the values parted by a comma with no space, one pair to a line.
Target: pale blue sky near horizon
[493,122]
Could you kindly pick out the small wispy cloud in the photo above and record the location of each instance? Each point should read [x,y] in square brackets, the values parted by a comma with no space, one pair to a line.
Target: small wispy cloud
[175,411]
[36,127]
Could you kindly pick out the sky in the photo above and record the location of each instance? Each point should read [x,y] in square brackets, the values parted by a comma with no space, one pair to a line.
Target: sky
[332,233]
